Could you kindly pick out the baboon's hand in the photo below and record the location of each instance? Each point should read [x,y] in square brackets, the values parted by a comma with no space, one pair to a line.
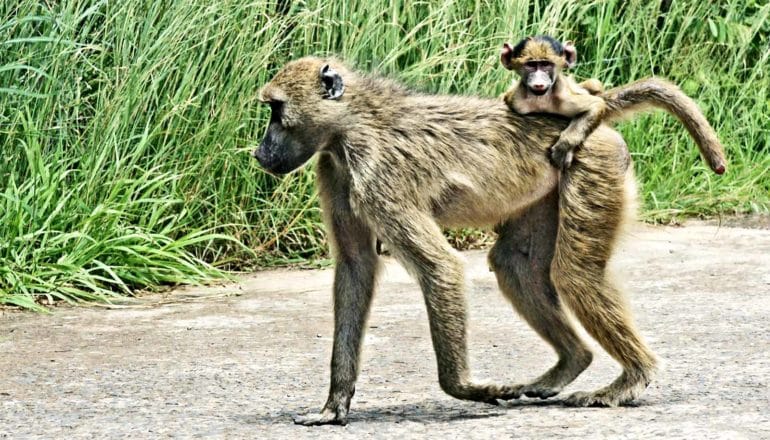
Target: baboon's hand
[562,155]
[328,416]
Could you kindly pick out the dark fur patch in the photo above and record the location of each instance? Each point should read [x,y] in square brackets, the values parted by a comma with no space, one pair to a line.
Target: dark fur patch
[555,44]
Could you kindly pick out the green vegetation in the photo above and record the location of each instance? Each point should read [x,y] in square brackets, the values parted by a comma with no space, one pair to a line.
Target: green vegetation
[125,126]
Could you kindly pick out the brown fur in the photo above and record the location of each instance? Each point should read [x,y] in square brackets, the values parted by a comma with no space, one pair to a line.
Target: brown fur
[400,165]
[646,93]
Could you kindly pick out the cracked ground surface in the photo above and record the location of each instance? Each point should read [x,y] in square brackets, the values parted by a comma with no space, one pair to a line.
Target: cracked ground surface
[238,361]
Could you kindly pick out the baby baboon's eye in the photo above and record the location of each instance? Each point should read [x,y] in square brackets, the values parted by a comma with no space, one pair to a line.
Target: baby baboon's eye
[545,65]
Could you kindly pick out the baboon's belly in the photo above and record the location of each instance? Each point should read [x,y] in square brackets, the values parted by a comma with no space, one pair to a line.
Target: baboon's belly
[482,204]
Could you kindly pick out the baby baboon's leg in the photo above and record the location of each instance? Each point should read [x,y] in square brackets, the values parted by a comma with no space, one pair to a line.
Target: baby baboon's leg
[593,206]
[354,279]
[521,259]
[593,86]
[418,243]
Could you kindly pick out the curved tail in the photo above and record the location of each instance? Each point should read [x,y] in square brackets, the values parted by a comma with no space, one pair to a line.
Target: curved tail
[654,92]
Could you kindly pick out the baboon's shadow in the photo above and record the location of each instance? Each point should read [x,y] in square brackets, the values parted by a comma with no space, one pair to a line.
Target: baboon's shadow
[427,412]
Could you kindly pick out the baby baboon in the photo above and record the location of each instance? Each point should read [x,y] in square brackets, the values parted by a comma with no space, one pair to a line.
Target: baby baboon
[544,89]
[398,165]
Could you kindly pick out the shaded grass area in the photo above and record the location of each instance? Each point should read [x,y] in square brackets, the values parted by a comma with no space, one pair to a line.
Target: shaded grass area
[125,126]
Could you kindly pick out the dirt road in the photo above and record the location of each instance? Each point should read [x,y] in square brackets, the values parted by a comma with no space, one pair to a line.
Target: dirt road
[206,363]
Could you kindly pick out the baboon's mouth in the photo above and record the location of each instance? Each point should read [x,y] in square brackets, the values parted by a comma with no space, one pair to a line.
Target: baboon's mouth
[539,92]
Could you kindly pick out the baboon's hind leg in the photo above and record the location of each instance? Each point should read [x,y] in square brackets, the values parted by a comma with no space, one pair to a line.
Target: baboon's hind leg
[418,243]
[588,230]
[521,259]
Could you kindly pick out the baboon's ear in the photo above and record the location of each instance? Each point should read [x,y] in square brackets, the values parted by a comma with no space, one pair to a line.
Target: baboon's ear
[506,56]
[570,53]
[332,82]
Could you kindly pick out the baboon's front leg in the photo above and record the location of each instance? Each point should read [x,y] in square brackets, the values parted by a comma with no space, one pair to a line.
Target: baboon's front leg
[589,110]
[421,247]
[353,285]
[354,280]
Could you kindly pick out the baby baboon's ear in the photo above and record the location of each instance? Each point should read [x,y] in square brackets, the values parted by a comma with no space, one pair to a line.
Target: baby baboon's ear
[332,83]
[506,56]
[570,53]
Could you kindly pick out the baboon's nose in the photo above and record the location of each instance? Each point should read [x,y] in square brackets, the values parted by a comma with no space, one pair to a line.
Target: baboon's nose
[259,154]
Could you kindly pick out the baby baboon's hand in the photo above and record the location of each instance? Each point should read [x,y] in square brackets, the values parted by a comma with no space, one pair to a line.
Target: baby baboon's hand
[562,155]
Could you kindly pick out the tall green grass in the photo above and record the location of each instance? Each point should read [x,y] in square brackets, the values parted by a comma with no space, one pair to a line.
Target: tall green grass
[125,126]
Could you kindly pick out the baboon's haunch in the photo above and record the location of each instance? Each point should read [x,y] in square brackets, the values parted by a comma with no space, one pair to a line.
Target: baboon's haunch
[399,165]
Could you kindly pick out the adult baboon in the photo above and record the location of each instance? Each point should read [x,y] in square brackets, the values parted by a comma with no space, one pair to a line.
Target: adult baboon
[398,165]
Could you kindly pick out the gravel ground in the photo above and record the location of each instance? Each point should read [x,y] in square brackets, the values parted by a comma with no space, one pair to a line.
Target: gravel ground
[238,361]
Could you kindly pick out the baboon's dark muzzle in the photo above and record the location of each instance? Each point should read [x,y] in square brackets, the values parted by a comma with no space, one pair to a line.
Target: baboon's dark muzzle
[259,155]
[278,154]
[269,160]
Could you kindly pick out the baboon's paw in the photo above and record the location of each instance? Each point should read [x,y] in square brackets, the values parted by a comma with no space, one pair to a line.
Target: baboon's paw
[505,392]
[539,391]
[510,392]
[593,399]
[488,393]
[325,417]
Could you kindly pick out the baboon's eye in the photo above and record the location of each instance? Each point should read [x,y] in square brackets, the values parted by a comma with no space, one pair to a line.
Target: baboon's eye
[276,109]
[531,65]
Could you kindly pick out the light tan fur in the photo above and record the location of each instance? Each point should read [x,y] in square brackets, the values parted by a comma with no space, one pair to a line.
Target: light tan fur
[399,165]
[566,98]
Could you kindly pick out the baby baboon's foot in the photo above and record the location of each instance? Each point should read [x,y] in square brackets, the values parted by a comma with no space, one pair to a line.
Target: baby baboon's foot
[534,390]
[593,86]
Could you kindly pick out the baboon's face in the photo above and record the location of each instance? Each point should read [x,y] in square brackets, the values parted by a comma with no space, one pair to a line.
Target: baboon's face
[538,61]
[284,147]
[302,120]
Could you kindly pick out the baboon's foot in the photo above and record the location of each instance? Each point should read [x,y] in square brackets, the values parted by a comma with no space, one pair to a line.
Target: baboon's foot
[325,417]
[334,413]
[624,390]
[540,390]
[559,376]
[487,393]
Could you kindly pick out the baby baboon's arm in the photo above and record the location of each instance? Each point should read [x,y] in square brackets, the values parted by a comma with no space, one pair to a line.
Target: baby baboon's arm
[588,110]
